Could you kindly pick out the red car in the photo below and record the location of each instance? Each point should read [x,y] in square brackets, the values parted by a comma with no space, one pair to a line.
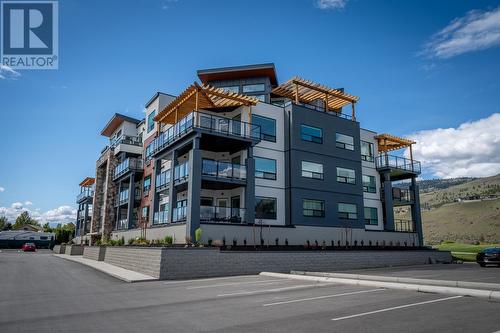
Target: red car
[29,247]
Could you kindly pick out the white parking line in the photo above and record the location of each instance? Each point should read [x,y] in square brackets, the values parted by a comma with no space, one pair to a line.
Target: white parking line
[237,283]
[212,279]
[267,290]
[322,297]
[396,308]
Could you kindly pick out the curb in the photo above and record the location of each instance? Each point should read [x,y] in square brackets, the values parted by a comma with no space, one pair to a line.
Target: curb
[485,294]
[430,282]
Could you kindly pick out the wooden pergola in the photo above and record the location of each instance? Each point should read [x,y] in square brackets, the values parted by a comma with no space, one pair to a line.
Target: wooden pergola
[388,142]
[197,97]
[300,90]
[89,181]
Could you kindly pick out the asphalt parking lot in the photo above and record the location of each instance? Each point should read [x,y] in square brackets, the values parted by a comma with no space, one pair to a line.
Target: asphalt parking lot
[39,292]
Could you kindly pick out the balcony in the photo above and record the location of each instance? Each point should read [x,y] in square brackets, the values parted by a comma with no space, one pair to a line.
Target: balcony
[223,170]
[400,196]
[123,197]
[207,124]
[81,214]
[399,167]
[179,214]
[160,217]
[215,214]
[127,140]
[84,195]
[162,180]
[181,172]
[404,226]
[129,164]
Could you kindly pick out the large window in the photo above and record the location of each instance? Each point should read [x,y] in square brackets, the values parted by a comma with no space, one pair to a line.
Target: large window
[347,176]
[344,141]
[232,89]
[147,185]
[367,151]
[312,170]
[265,168]
[267,127]
[313,208]
[371,216]
[251,88]
[265,208]
[311,134]
[151,121]
[369,184]
[347,211]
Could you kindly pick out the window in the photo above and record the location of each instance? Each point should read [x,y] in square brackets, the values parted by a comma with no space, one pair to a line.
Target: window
[232,89]
[265,208]
[250,88]
[151,122]
[261,98]
[371,216]
[367,151]
[345,141]
[347,211]
[145,212]
[312,170]
[312,134]
[346,176]
[267,127]
[369,184]
[207,201]
[265,168]
[313,208]
[147,184]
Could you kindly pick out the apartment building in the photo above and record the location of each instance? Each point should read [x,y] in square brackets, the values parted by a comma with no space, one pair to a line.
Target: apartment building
[249,159]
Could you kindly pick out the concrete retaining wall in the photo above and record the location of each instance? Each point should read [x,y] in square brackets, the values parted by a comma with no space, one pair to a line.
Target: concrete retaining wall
[94,252]
[59,249]
[142,260]
[177,231]
[73,250]
[195,263]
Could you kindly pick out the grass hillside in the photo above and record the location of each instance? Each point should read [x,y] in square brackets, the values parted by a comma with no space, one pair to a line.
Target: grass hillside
[449,214]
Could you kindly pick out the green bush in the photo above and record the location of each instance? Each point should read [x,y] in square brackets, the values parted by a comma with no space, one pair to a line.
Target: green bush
[169,240]
[130,241]
[197,235]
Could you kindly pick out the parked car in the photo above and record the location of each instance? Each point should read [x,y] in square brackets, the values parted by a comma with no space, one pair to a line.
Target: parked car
[29,247]
[489,256]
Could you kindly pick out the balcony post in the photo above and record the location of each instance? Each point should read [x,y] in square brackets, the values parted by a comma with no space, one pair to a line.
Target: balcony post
[172,192]
[250,188]
[86,216]
[416,215]
[154,201]
[194,189]
[131,198]
[388,202]
[118,206]
[77,220]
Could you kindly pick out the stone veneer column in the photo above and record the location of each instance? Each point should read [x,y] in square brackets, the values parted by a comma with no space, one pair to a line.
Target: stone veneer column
[109,195]
[194,189]
[250,188]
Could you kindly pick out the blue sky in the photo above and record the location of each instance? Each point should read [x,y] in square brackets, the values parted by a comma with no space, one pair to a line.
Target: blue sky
[417,66]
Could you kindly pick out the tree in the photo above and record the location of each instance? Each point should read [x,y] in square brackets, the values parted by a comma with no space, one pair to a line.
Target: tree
[47,228]
[24,219]
[3,222]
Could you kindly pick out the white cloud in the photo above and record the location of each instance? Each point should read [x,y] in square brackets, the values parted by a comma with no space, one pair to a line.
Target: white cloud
[28,203]
[2,189]
[63,214]
[331,4]
[477,30]
[8,73]
[470,150]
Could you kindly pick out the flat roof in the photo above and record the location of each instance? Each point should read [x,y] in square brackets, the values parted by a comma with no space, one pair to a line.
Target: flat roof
[155,96]
[238,72]
[116,121]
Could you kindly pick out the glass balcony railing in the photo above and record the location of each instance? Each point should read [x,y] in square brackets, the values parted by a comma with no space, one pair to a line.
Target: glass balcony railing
[401,195]
[126,139]
[179,214]
[86,193]
[181,171]
[162,180]
[217,214]
[122,224]
[160,217]
[397,162]
[220,169]
[129,164]
[212,123]
[123,196]
[404,226]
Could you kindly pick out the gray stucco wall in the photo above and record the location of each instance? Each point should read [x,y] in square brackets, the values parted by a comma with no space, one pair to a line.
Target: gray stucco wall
[94,252]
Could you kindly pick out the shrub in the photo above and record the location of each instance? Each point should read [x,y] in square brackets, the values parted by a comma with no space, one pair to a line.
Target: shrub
[169,240]
[210,242]
[197,235]
[130,241]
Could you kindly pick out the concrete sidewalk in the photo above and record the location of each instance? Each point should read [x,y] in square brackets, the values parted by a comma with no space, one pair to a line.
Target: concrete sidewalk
[115,271]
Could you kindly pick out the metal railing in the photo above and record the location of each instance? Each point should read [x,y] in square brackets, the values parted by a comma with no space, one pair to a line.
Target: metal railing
[85,194]
[122,224]
[217,214]
[129,164]
[397,162]
[205,121]
[160,217]
[126,139]
[179,214]
[404,225]
[401,195]
[162,180]
[221,169]
[181,171]
[123,196]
